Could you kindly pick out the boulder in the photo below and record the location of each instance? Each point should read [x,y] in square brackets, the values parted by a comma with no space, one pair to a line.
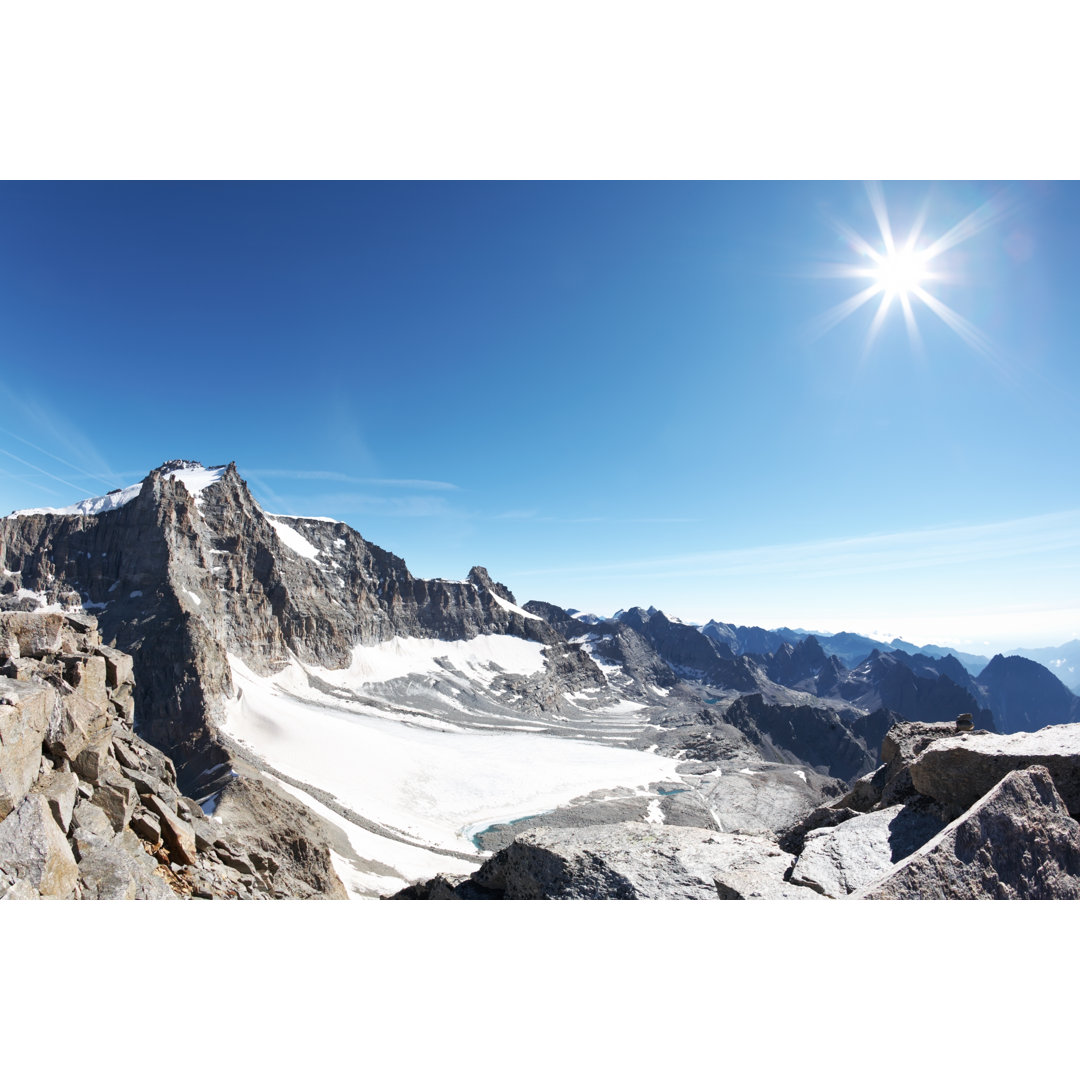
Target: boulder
[86,674]
[119,667]
[632,861]
[957,771]
[146,826]
[25,709]
[118,798]
[92,762]
[73,722]
[1017,842]
[37,634]
[35,851]
[60,790]
[121,869]
[839,860]
[92,819]
[178,835]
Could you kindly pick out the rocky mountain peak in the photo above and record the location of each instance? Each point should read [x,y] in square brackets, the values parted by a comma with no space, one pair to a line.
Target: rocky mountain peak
[479,577]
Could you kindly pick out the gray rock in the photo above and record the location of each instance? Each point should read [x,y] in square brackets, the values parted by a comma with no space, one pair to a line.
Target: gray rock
[92,819]
[1017,842]
[118,798]
[25,709]
[92,762]
[119,667]
[957,771]
[260,821]
[120,869]
[146,826]
[842,859]
[178,835]
[34,850]
[60,790]
[629,862]
[36,635]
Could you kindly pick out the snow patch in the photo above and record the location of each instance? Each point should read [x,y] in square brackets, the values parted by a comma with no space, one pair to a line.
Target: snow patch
[292,539]
[655,815]
[197,599]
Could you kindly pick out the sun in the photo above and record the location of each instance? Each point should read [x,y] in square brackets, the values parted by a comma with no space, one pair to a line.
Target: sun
[906,272]
[900,273]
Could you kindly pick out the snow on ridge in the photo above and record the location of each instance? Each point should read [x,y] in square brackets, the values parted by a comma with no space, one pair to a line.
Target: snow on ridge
[96,504]
[191,474]
[513,608]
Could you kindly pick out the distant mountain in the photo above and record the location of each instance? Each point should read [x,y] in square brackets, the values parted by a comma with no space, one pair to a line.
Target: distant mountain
[1062,660]
[972,661]
[1025,696]
[913,687]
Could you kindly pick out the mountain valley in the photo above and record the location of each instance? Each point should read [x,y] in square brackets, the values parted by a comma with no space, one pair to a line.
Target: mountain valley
[336,726]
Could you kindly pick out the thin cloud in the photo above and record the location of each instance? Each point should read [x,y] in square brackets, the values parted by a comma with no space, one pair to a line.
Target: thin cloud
[343,478]
[875,554]
[44,472]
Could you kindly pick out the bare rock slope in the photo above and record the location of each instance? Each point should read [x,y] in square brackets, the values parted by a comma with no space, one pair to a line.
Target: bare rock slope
[89,810]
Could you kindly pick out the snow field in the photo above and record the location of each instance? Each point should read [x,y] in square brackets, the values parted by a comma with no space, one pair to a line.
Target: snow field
[433,784]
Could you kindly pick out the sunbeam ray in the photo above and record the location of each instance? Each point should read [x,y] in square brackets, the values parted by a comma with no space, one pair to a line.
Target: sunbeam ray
[836,315]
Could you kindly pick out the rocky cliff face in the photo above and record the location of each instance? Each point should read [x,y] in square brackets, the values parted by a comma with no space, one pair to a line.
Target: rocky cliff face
[180,581]
[88,809]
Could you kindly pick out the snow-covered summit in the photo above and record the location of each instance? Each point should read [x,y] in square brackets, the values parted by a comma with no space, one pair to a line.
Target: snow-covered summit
[192,474]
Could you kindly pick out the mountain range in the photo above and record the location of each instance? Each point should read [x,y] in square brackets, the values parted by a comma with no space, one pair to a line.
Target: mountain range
[294,671]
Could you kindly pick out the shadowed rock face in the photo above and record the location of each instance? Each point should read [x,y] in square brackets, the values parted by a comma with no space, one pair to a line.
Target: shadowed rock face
[1017,842]
[804,733]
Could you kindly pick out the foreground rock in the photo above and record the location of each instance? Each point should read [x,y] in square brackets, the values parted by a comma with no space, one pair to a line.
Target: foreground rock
[955,772]
[839,860]
[88,810]
[1017,842]
[632,861]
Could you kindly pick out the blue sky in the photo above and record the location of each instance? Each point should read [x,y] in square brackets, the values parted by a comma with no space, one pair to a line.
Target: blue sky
[607,393]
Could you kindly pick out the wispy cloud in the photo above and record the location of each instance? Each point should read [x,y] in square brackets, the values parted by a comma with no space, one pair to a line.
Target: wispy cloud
[44,472]
[534,515]
[343,478]
[952,545]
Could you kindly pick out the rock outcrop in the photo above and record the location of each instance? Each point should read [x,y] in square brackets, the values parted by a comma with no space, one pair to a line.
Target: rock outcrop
[89,810]
[632,861]
[956,771]
[1017,842]
[951,816]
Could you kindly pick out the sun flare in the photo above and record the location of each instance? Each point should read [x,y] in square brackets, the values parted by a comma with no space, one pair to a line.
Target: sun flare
[905,272]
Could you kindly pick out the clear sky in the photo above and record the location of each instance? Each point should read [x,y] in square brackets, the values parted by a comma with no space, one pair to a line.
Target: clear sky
[607,393]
